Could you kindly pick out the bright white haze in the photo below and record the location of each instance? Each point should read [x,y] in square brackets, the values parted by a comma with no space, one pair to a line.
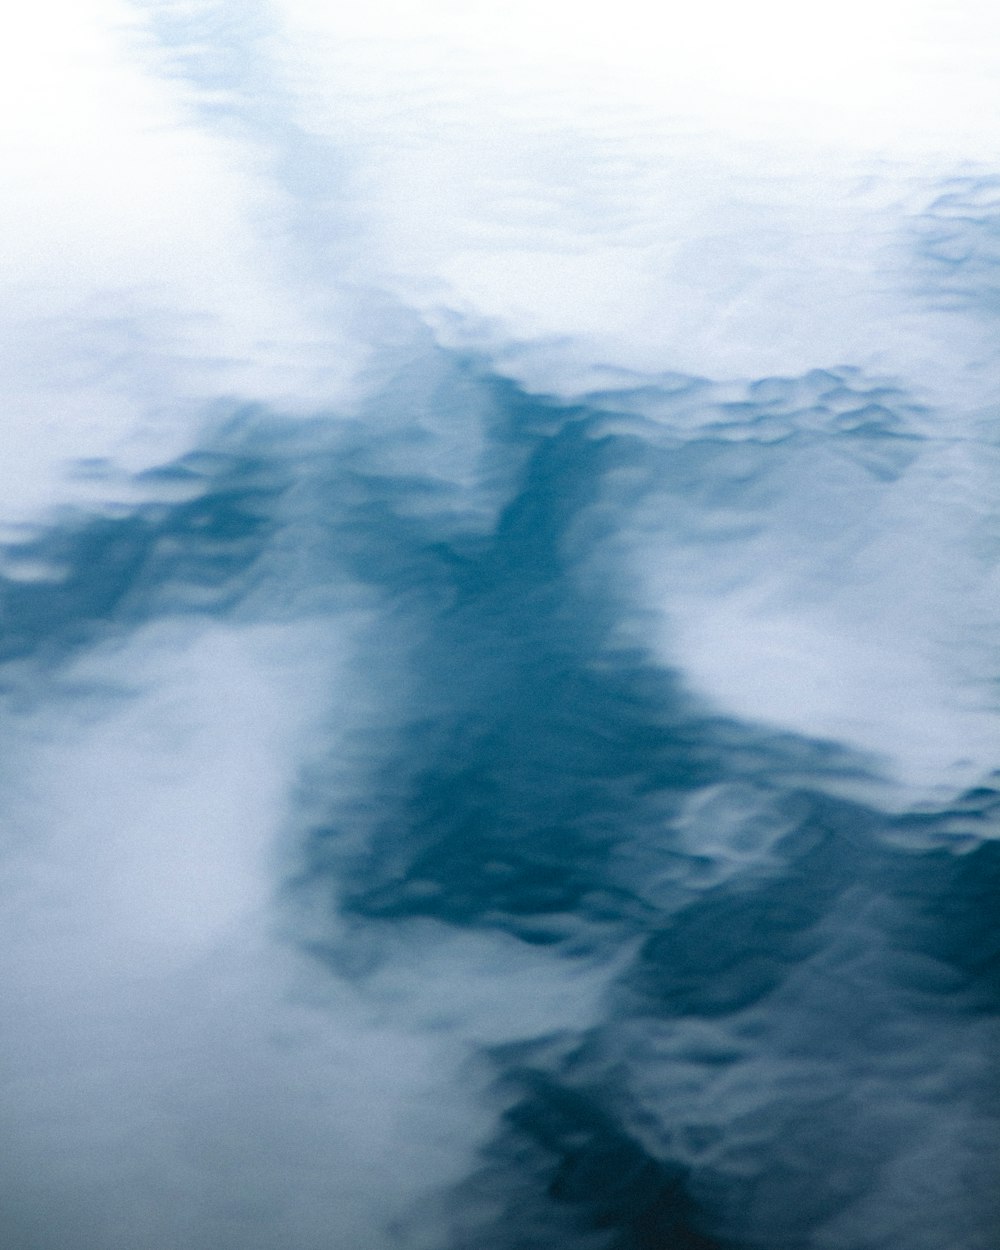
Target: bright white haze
[392,395]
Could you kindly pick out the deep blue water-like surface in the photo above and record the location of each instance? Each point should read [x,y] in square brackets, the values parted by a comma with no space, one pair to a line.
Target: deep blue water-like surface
[491,777]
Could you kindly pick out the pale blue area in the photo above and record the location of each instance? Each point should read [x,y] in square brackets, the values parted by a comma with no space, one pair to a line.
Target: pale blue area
[776,1015]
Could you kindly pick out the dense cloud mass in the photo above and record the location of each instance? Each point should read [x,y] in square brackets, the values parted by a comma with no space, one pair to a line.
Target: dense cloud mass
[499,633]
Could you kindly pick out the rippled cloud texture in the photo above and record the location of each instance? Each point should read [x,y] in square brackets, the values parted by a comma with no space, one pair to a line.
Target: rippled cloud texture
[499,626]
